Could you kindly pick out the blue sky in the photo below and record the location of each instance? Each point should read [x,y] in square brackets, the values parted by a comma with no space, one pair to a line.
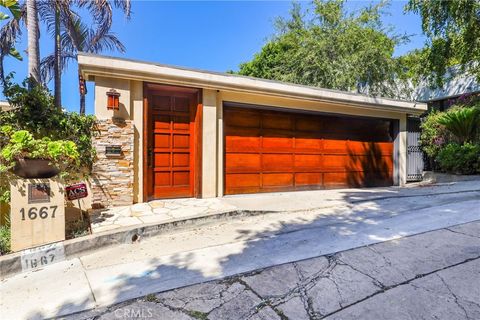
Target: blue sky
[215,36]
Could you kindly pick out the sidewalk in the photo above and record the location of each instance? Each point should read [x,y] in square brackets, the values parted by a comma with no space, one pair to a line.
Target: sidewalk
[434,275]
[354,218]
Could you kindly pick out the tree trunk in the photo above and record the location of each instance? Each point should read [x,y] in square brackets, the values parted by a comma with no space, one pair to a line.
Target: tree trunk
[83,90]
[2,74]
[58,59]
[82,103]
[33,46]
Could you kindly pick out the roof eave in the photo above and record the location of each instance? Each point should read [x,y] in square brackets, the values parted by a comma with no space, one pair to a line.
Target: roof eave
[128,69]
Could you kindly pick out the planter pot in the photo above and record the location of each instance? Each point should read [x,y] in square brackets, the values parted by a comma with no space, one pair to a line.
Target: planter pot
[35,169]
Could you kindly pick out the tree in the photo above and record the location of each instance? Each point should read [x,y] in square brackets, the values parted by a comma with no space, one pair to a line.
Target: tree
[453,31]
[333,49]
[9,33]
[68,30]
[33,44]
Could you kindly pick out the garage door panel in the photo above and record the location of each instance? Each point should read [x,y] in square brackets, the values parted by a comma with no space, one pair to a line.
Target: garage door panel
[335,146]
[310,161]
[275,121]
[277,179]
[277,141]
[308,141]
[368,163]
[285,151]
[342,179]
[277,162]
[243,180]
[241,118]
[243,144]
[308,124]
[370,148]
[243,162]
[308,179]
[335,162]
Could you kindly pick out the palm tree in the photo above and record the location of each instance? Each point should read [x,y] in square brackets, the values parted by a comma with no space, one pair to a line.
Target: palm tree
[78,37]
[9,33]
[33,44]
[68,30]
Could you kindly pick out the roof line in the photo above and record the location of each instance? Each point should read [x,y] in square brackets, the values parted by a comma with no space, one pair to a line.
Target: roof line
[267,87]
[237,76]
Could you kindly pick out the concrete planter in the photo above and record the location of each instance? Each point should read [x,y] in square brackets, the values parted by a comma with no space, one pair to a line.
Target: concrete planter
[35,169]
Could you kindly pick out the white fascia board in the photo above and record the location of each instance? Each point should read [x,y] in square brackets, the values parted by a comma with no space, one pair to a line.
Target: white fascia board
[142,71]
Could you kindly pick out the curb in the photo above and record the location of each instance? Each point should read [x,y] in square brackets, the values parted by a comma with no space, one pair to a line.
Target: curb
[12,263]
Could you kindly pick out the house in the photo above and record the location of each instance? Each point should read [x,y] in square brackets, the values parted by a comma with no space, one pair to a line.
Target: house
[456,85]
[4,105]
[170,132]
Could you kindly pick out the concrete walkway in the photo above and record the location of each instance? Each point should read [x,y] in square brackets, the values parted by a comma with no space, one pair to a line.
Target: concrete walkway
[164,211]
[158,211]
[434,275]
[355,218]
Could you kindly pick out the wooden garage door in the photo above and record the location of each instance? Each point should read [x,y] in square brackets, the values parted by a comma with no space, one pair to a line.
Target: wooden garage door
[268,151]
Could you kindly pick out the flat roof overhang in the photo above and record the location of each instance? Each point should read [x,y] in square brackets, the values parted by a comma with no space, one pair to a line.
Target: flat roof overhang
[96,65]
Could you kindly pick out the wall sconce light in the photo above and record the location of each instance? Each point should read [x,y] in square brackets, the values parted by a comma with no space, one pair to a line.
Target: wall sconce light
[113,99]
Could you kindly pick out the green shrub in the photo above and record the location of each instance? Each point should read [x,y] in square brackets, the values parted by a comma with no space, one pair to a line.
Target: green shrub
[462,122]
[462,159]
[22,145]
[4,239]
[434,135]
[55,133]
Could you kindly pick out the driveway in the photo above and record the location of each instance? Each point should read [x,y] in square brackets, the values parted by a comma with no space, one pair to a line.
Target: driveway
[434,275]
[345,220]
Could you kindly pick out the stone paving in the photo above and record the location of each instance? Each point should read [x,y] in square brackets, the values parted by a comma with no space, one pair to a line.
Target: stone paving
[434,275]
[158,211]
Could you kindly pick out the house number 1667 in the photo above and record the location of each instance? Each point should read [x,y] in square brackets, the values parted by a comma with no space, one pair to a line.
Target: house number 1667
[42,212]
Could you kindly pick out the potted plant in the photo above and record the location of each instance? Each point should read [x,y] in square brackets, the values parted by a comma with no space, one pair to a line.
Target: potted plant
[31,158]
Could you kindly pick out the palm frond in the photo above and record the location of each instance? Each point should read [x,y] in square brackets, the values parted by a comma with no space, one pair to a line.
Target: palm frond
[47,65]
[75,32]
[11,32]
[101,42]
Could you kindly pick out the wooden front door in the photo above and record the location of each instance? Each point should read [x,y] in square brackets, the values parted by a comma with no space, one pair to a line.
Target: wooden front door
[171,142]
[268,151]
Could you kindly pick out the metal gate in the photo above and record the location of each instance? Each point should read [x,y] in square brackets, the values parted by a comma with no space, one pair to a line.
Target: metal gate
[415,163]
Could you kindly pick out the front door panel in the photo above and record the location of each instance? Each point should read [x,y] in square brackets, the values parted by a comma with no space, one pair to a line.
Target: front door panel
[170,151]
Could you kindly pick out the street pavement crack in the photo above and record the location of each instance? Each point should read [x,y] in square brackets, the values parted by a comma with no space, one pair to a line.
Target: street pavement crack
[386,260]
[462,233]
[454,296]
[418,276]
[88,281]
[375,281]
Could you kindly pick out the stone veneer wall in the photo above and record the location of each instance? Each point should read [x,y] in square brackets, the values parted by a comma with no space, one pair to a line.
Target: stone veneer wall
[112,178]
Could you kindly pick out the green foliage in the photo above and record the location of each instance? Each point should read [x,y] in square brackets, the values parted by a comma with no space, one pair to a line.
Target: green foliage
[34,128]
[457,158]
[414,65]
[462,122]
[4,239]
[12,6]
[452,137]
[34,111]
[7,45]
[333,49]
[22,145]
[434,135]
[453,31]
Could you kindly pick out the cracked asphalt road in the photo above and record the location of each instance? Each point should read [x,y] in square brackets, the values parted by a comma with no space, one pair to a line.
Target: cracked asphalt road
[434,275]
